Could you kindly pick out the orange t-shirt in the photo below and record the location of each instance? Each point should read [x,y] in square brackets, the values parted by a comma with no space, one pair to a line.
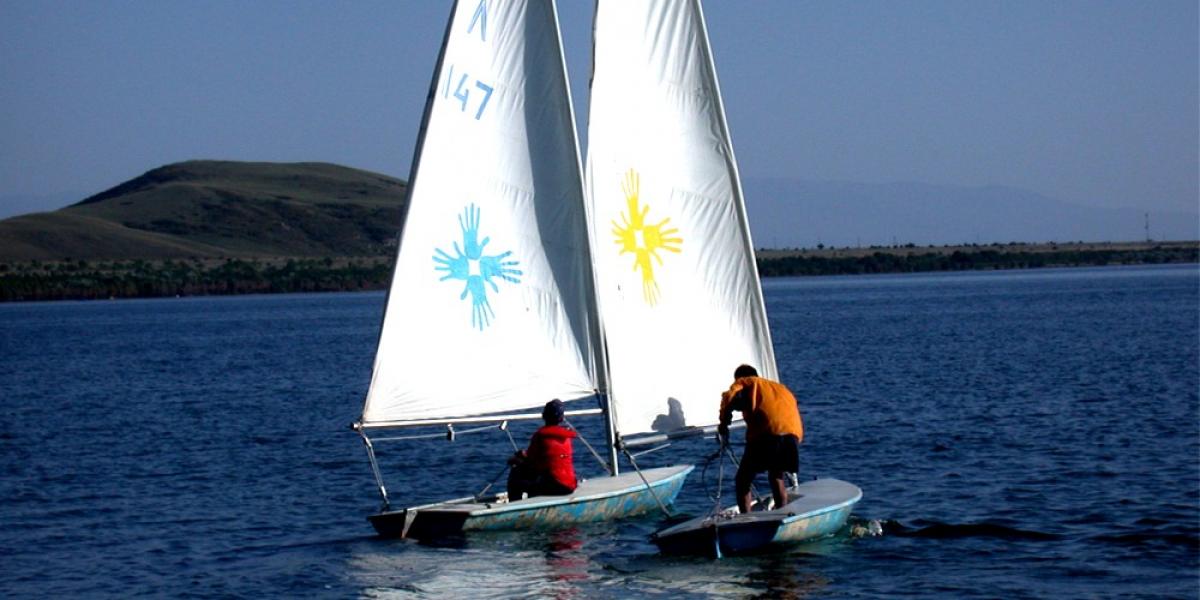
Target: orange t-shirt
[767,407]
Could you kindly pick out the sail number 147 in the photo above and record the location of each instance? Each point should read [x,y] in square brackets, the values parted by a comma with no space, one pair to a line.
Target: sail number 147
[463,92]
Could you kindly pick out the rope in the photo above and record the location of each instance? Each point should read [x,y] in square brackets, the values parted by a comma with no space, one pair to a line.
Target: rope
[649,488]
[504,428]
[709,492]
[604,465]
[716,523]
[720,485]
[449,434]
[401,438]
[654,449]
[494,480]
[716,498]
[375,469]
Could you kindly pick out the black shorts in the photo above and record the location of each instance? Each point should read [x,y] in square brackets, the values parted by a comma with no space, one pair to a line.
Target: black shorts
[771,453]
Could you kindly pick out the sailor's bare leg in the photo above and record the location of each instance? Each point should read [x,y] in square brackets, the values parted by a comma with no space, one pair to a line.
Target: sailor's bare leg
[778,490]
[744,501]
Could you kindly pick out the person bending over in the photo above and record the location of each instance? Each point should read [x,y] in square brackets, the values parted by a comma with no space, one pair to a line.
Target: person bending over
[773,432]
[546,467]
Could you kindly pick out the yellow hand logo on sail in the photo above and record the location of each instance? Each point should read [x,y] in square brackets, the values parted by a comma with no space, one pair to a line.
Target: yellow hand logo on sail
[642,240]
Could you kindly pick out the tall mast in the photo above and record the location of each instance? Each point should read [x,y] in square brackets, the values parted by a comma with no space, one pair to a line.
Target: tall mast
[603,391]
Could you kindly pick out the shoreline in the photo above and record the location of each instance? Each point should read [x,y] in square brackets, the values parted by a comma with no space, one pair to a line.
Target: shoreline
[29,281]
[908,249]
[918,259]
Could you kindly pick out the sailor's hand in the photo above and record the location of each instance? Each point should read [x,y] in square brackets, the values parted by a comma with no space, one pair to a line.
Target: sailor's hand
[723,434]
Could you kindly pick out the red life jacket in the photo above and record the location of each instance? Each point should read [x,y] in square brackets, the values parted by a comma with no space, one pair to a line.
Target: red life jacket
[550,452]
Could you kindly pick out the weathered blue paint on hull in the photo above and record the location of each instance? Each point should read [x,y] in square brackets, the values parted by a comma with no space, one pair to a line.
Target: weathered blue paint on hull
[817,526]
[597,500]
[820,510]
[636,502]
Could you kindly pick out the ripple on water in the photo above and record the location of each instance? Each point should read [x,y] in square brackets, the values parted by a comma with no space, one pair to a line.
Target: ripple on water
[1026,435]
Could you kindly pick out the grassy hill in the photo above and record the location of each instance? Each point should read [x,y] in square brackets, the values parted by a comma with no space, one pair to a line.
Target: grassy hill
[219,209]
[212,227]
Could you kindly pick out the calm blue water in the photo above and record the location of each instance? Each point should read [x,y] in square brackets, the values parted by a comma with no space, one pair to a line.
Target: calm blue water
[1017,434]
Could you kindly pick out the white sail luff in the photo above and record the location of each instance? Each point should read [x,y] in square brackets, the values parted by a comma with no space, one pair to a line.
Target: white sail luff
[490,307]
[414,171]
[767,368]
[595,334]
[675,268]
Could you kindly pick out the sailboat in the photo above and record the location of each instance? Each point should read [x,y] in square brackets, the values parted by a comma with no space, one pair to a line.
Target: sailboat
[492,309]
[678,287]
[519,280]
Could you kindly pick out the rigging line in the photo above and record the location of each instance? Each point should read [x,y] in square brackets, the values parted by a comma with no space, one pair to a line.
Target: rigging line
[603,464]
[654,449]
[487,487]
[720,484]
[716,511]
[504,428]
[403,438]
[375,469]
[430,436]
[649,488]
[715,496]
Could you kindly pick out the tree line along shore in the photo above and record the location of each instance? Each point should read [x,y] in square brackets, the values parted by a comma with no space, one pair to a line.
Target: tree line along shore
[110,279]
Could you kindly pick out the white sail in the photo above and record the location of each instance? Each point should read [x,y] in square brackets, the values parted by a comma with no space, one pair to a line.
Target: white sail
[491,306]
[676,279]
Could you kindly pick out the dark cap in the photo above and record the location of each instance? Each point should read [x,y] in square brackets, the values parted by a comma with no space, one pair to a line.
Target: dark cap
[553,413]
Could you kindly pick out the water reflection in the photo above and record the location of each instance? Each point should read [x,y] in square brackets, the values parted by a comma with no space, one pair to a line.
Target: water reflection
[565,558]
[502,564]
[581,562]
[783,576]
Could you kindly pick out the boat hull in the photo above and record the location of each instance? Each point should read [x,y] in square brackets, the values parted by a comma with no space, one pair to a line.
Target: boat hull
[599,499]
[817,509]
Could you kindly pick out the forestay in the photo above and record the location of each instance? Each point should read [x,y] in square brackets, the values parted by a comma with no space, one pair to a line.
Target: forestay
[676,279]
[491,305]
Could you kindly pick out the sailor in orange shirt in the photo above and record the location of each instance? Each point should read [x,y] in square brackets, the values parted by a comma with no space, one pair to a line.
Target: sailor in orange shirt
[773,432]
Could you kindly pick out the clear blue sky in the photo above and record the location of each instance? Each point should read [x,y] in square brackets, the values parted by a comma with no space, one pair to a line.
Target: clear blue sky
[1092,102]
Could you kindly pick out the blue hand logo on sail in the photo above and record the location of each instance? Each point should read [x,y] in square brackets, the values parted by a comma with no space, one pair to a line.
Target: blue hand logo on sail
[477,271]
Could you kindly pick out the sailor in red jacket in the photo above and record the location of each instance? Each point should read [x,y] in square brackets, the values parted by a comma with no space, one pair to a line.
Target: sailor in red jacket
[546,467]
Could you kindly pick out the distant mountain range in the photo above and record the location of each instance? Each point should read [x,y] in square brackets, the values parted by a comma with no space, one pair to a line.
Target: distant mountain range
[208,209]
[803,214]
[213,209]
